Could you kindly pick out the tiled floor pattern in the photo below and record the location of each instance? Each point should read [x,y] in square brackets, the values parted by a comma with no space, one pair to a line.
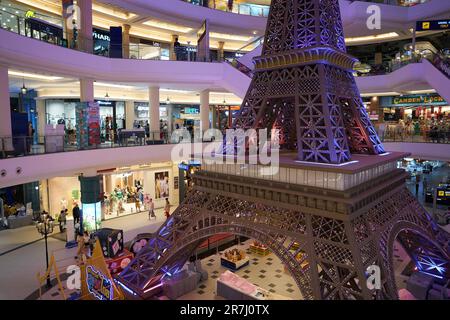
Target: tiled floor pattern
[266,272]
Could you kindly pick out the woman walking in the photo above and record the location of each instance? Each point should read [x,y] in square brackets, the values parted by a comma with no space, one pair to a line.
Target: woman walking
[167,208]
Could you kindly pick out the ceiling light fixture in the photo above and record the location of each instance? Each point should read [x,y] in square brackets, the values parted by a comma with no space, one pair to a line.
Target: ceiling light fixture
[24,89]
[32,75]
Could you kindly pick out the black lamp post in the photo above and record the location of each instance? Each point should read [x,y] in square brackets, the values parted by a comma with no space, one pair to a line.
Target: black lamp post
[45,227]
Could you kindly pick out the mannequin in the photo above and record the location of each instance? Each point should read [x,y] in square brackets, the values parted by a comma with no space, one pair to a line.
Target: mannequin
[63,203]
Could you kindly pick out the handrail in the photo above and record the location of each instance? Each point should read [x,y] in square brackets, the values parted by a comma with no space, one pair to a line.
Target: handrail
[263,10]
[19,146]
[401,135]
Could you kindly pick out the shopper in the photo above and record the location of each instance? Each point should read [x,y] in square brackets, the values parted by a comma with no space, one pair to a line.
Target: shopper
[29,138]
[137,202]
[230,5]
[76,214]
[417,184]
[424,185]
[62,220]
[151,209]
[167,208]
[84,244]
[177,49]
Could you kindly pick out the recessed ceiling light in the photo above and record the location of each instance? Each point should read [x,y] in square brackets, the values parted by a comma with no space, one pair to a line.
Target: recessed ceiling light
[33,75]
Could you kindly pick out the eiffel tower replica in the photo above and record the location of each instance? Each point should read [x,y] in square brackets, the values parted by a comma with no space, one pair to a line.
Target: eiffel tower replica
[338,202]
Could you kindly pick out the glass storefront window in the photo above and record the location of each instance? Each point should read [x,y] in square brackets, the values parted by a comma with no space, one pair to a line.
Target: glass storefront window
[61,112]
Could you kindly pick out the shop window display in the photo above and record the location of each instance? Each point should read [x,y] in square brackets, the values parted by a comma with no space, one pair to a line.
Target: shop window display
[161,184]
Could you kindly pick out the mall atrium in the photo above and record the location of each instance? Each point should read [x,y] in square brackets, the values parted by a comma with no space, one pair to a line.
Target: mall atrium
[224,150]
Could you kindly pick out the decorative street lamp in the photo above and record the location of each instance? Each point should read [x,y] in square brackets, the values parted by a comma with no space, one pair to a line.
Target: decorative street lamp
[45,227]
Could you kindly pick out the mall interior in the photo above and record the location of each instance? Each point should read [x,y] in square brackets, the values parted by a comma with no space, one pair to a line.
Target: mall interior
[94,94]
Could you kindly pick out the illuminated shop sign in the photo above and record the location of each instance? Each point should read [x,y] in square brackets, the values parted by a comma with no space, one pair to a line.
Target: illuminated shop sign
[30,14]
[188,110]
[413,100]
[98,284]
[104,103]
[183,166]
[99,35]
[433,25]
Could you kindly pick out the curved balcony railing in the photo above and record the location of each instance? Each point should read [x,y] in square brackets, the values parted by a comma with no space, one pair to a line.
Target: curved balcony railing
[11,147]
[20,146]
[258,10]
[441,136]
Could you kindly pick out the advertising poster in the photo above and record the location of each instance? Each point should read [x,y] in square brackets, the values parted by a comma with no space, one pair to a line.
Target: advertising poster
[161,185]
[82,125]
[94,123]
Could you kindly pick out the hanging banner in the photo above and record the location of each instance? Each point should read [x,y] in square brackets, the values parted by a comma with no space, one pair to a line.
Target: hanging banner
[203,54]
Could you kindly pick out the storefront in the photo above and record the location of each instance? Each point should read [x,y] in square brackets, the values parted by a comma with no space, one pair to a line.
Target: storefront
[186,116]
[172,116]
[415,107]
[129,190]
[224,116]
[64,112]
[141,115]
[149,49]
[101,42]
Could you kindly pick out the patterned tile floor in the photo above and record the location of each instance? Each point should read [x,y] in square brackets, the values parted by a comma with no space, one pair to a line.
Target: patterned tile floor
[266,272]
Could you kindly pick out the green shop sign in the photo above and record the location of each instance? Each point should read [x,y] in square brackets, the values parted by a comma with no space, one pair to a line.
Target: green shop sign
[413,100]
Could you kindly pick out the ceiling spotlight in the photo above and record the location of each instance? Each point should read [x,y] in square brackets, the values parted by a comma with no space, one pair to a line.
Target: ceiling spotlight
[168,100]
[106,95]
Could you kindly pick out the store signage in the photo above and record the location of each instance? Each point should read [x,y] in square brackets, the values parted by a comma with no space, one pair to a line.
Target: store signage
[191,110]
[104,103]
[433,25]
[183,166]
[99,35]
[30,14]
[98,284]
[413,100]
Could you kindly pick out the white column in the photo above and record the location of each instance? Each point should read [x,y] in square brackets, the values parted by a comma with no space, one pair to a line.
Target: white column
[204,110]
[40,106]
[85,27]
[129,114]
[5,107]
[86,90]
[153,111]
[220,52]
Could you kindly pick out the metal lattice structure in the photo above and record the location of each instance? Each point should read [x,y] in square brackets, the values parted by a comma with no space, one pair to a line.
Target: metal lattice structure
[304,65]
[338,238]
[304,86]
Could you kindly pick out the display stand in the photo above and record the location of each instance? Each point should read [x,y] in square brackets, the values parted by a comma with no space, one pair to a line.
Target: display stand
[232,261]
[260,250]
[70,229]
